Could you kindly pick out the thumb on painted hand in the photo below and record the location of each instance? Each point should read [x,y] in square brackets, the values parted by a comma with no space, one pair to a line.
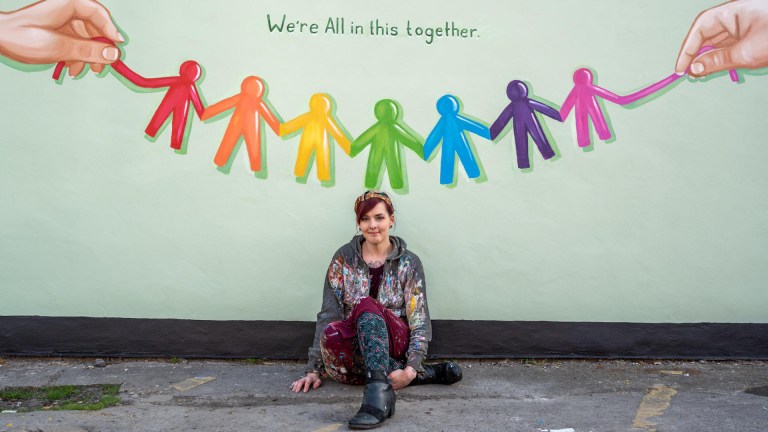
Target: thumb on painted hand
[749,53]
[74,49]
[712,61]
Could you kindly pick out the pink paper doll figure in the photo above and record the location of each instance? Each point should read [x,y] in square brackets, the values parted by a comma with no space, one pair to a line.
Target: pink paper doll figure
[583,98]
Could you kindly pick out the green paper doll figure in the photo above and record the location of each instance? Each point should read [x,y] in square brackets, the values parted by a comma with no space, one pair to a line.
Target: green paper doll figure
[385,138]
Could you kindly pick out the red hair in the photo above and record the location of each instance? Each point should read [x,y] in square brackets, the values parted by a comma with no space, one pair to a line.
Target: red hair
[367,204]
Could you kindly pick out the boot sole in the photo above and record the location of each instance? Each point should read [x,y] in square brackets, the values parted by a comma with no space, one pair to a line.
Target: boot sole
[374,426]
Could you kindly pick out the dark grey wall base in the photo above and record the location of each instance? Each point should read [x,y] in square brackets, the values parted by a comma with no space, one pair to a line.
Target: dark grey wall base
[128,337]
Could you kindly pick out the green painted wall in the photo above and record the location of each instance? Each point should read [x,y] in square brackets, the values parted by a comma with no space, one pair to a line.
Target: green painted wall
[668,223]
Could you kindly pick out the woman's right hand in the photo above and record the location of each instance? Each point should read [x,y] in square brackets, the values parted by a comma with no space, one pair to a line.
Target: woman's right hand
[311,380]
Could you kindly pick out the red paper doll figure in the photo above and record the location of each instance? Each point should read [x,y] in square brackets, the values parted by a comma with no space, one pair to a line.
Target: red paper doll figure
[181,91]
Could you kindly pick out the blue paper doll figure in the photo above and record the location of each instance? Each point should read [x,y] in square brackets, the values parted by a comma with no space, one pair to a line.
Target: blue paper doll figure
[451,130]
[523,111]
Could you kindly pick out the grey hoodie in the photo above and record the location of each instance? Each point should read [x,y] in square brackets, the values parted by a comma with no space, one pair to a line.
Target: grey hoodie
[403,291]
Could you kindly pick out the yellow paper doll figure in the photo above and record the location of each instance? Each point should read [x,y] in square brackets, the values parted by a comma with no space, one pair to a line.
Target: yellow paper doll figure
[318,123]
[249,108]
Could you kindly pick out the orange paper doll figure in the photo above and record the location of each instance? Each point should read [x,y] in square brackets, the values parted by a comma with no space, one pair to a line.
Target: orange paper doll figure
[317,124]
[249,108]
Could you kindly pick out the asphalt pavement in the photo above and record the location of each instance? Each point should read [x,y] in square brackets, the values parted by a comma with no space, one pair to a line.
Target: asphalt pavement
[495,395]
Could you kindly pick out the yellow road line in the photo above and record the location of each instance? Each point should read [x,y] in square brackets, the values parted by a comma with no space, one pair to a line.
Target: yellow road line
[655,402]
[330,428]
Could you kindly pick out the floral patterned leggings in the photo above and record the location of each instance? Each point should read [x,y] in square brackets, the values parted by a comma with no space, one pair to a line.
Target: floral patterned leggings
[364,341]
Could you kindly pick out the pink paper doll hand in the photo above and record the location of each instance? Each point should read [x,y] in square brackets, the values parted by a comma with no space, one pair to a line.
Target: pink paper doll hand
[609,95]
[738,31]
[60,30]
[570,101]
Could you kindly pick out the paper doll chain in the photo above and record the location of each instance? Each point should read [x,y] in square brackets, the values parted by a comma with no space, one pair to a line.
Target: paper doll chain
[122,69]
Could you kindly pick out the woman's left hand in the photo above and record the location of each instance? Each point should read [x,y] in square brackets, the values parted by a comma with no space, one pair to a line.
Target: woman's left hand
[400,378]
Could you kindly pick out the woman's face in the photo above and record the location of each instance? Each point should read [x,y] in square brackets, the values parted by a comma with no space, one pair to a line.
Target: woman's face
[375,224]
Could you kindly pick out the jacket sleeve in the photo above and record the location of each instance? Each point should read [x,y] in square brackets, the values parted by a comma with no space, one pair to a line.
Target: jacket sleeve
[329,312]
[417,312]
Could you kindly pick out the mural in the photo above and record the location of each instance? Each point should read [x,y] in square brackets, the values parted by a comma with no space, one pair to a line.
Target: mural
[80,34]
[636,228]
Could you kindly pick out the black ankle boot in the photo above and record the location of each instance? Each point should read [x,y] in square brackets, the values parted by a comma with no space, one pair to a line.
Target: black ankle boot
[441,373]
[378,402]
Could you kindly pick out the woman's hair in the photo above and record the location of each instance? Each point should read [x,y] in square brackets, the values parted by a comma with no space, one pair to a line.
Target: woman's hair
[365,202]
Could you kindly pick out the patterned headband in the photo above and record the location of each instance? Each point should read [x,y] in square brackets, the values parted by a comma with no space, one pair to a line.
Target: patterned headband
[372,194]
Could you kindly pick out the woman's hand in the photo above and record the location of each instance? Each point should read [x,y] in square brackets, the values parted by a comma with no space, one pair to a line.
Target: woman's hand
[400,378]
[312,380]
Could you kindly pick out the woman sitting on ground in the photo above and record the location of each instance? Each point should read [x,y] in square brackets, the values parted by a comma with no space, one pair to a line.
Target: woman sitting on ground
[374,324]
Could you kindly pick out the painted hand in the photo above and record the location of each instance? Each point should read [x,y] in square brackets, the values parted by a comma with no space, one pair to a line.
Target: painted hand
[311,381]
[400,378]
[737,30]
[60,30]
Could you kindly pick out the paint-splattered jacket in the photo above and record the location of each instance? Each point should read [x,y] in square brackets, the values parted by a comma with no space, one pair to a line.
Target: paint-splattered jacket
[402,290]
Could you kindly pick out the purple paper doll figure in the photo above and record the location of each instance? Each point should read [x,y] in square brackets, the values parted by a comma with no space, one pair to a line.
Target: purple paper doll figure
[523,110]
[583,99]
